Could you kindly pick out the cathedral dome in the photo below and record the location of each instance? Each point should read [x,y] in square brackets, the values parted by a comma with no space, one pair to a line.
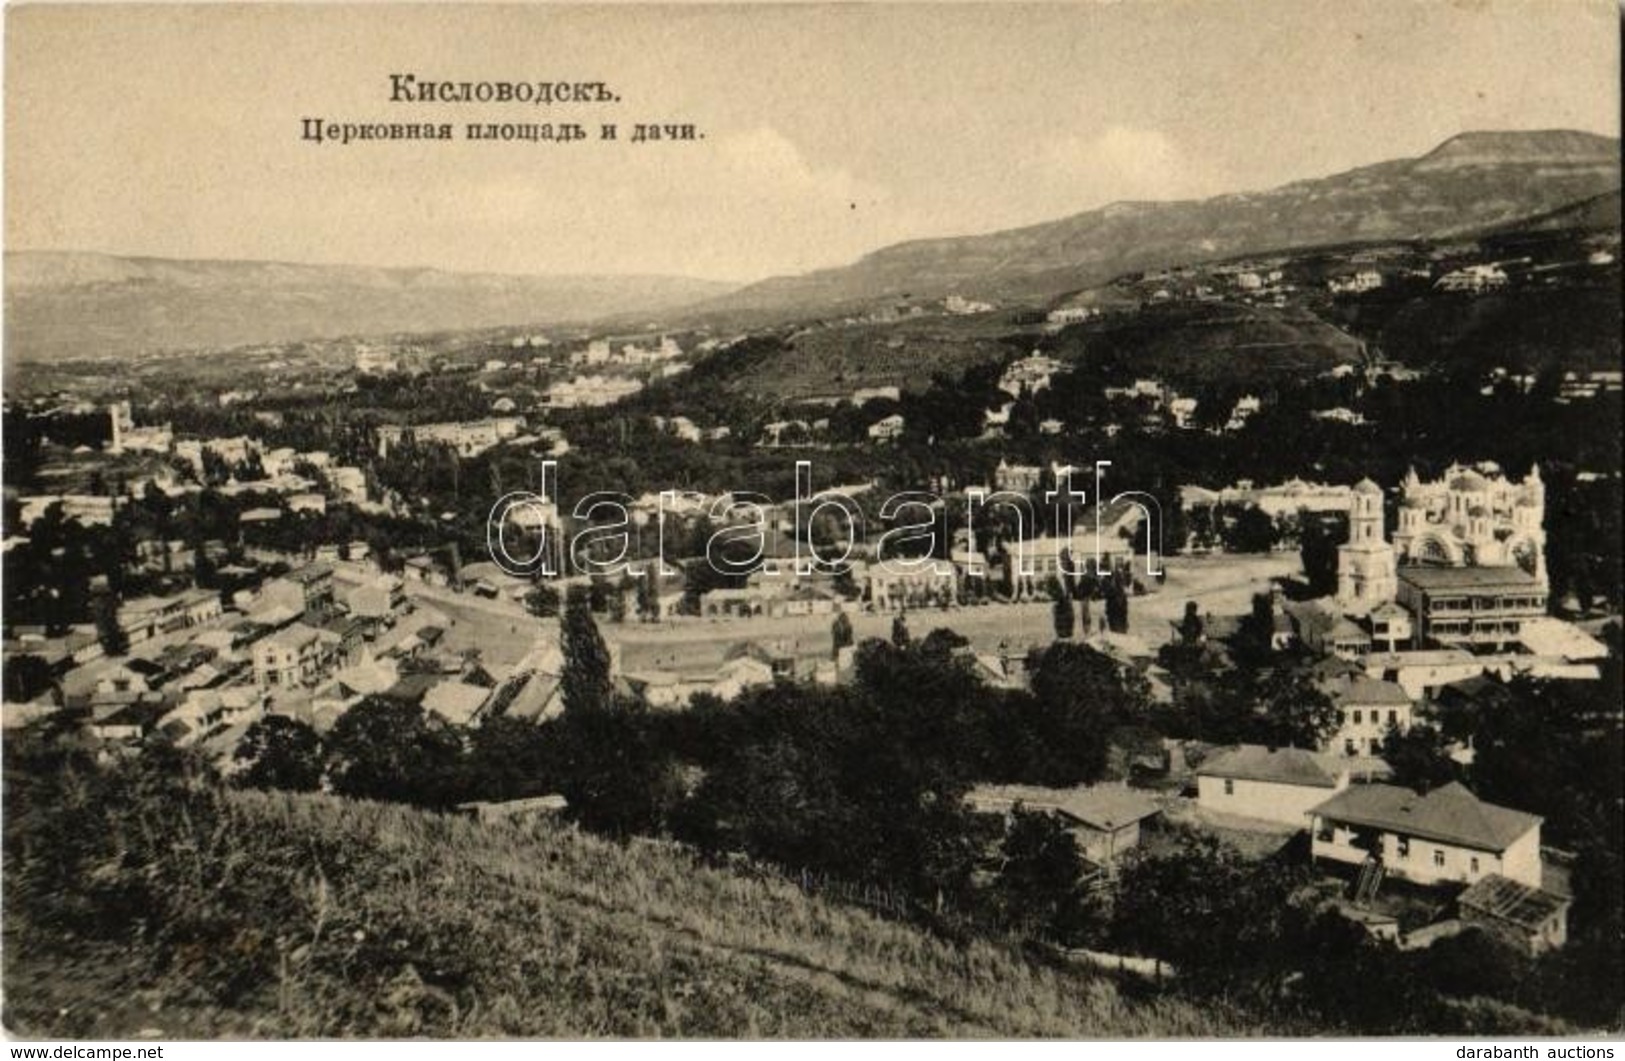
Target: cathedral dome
[1469,482]
[1366,486]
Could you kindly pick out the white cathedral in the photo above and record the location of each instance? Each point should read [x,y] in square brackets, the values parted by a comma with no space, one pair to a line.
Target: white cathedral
[1470,517]
[1474,517]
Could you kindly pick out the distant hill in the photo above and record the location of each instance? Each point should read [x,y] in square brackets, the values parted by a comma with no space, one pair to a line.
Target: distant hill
[1184,344]
[1598,212]
[1207,343]
[318,917]
[1521,330]
[71,304]
[1469,183]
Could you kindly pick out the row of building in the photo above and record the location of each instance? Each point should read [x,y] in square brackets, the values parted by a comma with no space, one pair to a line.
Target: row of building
[1487,860]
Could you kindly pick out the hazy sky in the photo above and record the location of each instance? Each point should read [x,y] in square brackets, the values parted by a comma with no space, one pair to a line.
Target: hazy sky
[831,131]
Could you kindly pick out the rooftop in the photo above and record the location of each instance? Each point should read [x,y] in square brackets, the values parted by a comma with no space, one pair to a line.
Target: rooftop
[412,688]
[1365,691]
[1098,806]
[1548,636]
[1425,657]
[1507,900]
[1284,766]
[293,638]
[456,702]
[310,573]
[489,572]
[1437,579]
[1450,814]
[1345,631]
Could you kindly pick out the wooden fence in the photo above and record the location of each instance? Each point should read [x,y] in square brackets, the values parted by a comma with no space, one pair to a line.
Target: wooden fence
[885,899]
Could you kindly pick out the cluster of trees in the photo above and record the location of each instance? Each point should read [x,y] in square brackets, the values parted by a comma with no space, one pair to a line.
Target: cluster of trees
[1079,592]
[622,450]
[1237,528]
[1242,689]
[54,575]
[1426,423]
[1318,539]
[393,750]
[868,781]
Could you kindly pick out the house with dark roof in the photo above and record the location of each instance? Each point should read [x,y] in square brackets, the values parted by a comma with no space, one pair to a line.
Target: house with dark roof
[424,569]
[1271,784]
[1444,836]
[1326,631]
[293,657]
[773,596]
[412,688]
[489,580]
[1105,820]
[1421,672]
[1469,694]
[378,598]
[124,722]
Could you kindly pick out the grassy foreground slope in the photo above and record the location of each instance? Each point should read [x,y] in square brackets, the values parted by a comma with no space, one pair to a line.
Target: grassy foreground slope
[275,915]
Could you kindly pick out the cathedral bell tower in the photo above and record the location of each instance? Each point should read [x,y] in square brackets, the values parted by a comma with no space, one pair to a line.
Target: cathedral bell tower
[1366,574]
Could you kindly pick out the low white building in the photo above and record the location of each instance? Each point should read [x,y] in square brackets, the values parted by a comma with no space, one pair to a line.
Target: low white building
[1474,279]
[1279,785]
[893,585]
[887,428]
[1355,283]
[468,438]
[1423,671]
[1446,836]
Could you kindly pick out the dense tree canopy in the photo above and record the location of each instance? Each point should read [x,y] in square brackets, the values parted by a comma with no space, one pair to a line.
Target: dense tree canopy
[280,752]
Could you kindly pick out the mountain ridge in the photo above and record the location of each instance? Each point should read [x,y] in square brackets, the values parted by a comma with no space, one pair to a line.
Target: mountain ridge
[1469,182]
[32,256]
[63,304]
